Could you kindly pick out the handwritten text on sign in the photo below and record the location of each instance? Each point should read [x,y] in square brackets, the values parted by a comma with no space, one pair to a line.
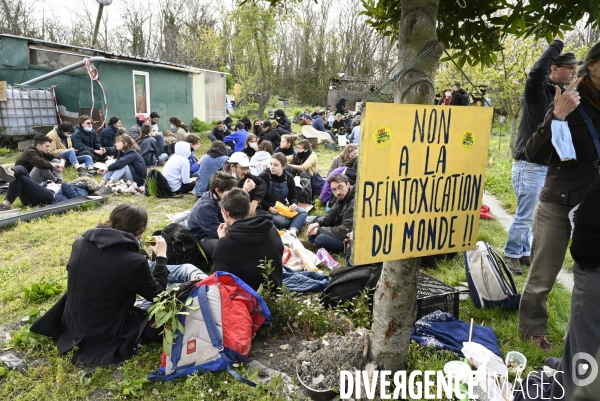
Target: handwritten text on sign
[420,180]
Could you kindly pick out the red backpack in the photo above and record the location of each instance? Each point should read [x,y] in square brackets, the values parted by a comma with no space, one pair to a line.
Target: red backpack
[217,334]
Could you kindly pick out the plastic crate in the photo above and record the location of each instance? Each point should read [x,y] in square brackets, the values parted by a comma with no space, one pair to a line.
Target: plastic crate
[435,295]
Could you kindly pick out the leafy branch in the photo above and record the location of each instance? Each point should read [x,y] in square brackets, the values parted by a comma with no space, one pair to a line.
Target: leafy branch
[166,311]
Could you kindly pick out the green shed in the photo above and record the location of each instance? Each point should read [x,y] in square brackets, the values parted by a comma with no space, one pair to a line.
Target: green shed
[131,84]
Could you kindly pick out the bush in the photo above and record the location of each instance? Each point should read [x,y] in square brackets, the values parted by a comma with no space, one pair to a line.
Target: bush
[200,126]
[39,292]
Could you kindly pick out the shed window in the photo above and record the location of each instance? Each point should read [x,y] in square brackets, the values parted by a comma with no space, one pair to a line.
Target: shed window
[54,59]
[141,91]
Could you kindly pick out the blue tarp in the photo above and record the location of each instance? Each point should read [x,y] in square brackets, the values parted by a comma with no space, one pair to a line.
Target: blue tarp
[441,330]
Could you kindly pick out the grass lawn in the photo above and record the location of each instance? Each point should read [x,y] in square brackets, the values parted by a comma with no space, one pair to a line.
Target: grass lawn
[36,252]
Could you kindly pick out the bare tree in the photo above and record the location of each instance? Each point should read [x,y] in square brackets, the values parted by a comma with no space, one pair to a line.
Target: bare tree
[17,18]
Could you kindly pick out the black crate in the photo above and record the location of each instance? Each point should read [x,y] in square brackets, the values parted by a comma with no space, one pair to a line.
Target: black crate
[435,295]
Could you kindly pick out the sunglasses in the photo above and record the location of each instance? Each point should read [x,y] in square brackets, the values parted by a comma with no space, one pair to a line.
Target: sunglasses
[88,123]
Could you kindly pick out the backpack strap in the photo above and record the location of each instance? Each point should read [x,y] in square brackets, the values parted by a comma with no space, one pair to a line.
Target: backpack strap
[217,341]
[588,121]
[502,265]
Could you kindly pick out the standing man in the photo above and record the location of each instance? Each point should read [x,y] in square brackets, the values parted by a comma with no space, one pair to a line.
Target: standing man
[340,105]
[552,68]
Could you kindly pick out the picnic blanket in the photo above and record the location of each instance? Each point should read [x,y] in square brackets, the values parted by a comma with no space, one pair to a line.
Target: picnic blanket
[441,330]
[309,132]
[304,281]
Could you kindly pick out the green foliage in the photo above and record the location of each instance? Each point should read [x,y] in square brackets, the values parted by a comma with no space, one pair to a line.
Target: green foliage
[128,386]
[151,186]
[294,312]
[165,311]
[200,126]
[39,292]
[475,29]
[23,339]
[359,310]
[5,151]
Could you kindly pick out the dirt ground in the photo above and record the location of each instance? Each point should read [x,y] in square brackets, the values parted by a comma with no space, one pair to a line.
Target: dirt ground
[317,362]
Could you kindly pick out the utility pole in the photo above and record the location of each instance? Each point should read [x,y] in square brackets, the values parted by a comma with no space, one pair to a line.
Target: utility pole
[102,3]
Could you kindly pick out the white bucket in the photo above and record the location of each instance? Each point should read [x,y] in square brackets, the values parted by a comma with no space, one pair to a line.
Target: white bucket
[342,140]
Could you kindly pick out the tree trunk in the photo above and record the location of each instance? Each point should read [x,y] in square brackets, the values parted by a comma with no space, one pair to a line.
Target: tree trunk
[394,310]
[513,133]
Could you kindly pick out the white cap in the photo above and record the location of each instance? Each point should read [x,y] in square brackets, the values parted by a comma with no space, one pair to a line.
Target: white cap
[239,158]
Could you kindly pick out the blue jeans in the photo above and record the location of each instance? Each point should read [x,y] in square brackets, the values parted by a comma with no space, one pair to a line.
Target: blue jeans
[328,242]
[180,273]
[71,158]
[283,222]
[116,175]
[528,180]
[160,139]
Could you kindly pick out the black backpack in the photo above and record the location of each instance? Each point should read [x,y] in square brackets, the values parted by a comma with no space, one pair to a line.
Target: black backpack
[304,194]
[465,99]
[163,189]
[346,283]
[182,246]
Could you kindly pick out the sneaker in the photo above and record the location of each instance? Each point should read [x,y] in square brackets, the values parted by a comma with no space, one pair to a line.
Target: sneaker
[513,265]
[525,260]
[82,172]
[540,341]
[103,191]
[4,207]
[7,174]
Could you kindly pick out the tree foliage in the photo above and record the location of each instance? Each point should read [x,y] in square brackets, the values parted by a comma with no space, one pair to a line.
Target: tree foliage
[476,29]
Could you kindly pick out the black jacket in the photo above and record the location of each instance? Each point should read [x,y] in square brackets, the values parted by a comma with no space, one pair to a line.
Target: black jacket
[586,235]
[247,244]
[341,103]
[284,124]
[107,137]
[339,218]
[566,182]
[269,198]
[457,97]
[150,150]
[216,135]
[272,135]
[105,272]
[85,140]
[539,93]
[258,193]
[136,164]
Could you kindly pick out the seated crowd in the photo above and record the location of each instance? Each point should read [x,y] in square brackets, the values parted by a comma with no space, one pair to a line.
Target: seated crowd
[239,182]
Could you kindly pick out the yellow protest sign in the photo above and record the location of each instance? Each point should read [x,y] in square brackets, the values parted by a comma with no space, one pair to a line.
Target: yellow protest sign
[420,180]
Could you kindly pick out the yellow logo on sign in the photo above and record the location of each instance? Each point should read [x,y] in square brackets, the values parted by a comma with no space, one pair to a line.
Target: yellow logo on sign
[468,139]
[382,136]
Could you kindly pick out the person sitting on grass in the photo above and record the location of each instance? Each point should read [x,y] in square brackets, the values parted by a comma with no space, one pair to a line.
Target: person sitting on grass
[329,231]
[212,161]
[286,146]
[237,166]
[41,165]
[150,150]
[281,188]
[177,169]
[85,140]
[270,133]
[129,165]
[61,147]
[304,159]
[206,216]
[262,158]
[251,145]
[108,134]
[246,243]
[237,137]
[194,142]
[106,271]
[349,152]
